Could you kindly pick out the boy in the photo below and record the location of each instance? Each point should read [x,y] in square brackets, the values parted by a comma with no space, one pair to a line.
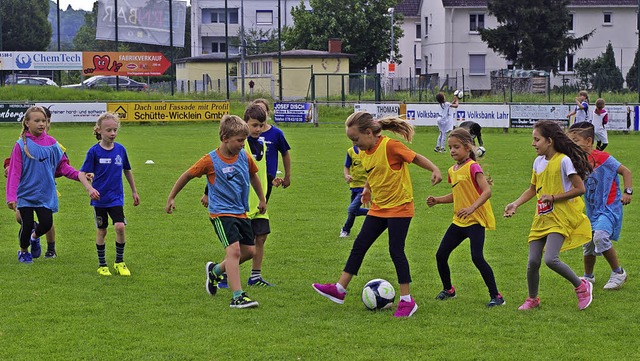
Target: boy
[356,177]
[229,171]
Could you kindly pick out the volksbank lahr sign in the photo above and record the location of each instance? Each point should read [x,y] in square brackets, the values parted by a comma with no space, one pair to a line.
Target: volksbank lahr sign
[40,60]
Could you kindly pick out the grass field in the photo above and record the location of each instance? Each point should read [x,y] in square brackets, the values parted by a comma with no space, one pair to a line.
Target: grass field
[62,309]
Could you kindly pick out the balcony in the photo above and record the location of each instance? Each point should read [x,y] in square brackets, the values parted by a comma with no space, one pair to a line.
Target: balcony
[217,29]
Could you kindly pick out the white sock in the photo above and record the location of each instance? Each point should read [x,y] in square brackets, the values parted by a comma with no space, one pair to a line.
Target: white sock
[405,298]
[340,288]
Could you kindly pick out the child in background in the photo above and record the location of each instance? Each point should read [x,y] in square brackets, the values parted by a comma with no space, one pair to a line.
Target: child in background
[600,119]
[31,187]
[390,190]
[475,130]
[356,176]
[604,203]
[581,111]
[472,214]
[229,170]
[559,223]
[108,160]
[276,143]
[445,120]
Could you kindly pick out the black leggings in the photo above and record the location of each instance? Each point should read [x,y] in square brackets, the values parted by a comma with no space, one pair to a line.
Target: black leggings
[371,229]
[45,221]
[451,240]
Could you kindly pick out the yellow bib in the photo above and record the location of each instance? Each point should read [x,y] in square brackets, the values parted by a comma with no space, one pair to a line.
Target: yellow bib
[464,194]
[262,174]
[356,170]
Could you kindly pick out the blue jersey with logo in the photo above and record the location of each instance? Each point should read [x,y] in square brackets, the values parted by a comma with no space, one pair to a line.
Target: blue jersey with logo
[229,193]
[107,167]
[276,142]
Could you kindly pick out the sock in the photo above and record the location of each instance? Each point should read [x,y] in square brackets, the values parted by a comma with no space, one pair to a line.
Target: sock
[588,275]
[237,293]
[51,247]
[405,298]
[340,288]
[119,252]
[604,145]
[217,270]
[101,255]
[255,274]
[618,270]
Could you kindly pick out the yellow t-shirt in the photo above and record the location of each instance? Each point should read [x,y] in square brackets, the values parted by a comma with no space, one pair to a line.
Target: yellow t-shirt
[465,191]
[565,217]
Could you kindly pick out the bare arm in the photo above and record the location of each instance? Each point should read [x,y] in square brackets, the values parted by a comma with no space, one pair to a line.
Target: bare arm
[257,186]
[577,190]
[286,161]
[432,201]
[626,180]
[529,193]
[93,193]
[422,162]
[486,194]
[134,192]
[347,175]
[177,187]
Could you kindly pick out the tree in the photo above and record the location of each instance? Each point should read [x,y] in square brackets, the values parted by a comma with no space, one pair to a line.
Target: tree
[363,26]
[601,74]
[532,34]
[24,25]
[632,75]
[257,41]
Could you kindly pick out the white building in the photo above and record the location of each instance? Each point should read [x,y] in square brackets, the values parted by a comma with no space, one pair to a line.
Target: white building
[452,47]
[208,21]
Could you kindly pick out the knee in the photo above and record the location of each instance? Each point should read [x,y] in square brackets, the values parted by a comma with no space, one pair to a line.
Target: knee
[233,251]
[119,227]
[551,260]
[478,259]
[534,263]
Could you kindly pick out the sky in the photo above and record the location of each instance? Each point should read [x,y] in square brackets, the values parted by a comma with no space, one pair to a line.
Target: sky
[80,4]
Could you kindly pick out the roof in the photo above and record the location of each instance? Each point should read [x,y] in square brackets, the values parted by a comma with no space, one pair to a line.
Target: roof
[207,58]
[574,3]
[408,7]
[302,53]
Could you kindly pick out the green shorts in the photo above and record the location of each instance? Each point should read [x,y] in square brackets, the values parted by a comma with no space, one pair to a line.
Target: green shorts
[231,230]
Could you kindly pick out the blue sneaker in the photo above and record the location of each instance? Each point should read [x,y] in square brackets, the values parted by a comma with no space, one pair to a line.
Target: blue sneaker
[36,250]
[223,282]
[259,282]
[24,257]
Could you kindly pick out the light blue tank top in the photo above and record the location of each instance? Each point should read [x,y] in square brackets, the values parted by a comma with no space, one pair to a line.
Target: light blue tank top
[37,186]
[230,191]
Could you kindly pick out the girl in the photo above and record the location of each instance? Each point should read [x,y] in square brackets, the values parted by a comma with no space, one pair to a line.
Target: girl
[559,223]
[445,120]
[581,110]
[35,160]
[108,160]
[600,119]
[470,193]
[604,205]
[389,185]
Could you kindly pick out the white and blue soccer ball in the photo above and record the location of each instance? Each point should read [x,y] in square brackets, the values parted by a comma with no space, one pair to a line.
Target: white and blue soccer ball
[480,151]
[458,93]
[378,294]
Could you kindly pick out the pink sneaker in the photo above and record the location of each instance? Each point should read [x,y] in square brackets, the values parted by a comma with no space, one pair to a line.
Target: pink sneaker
[406,309]
[330,291]
[530,303]
[584,294]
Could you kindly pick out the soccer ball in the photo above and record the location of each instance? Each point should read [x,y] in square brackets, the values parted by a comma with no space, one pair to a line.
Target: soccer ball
[480,151]
[459,94]
[378,294]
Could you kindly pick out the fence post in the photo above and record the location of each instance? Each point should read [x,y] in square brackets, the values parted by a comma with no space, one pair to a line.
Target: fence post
[377,86]
[313,87]
[343,94]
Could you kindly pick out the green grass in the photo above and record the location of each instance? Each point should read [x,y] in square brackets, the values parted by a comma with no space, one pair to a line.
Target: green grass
[62,309]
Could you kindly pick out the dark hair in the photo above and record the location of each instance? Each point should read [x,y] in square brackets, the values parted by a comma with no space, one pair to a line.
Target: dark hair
[254,111]
[583,129]
[395,124]
[561,143]
[465,138]
[440,98]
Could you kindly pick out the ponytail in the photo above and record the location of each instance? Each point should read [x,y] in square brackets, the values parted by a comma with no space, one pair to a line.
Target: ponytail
[363,121]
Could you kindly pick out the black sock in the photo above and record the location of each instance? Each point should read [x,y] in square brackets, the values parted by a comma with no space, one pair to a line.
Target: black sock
[51,247]
[101,255]
[119,252]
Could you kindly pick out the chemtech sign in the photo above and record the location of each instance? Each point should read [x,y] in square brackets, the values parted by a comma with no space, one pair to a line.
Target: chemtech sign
[40,60]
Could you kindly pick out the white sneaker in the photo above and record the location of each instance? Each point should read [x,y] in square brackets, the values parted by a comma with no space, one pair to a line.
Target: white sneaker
[344,234]
[591,280]
[616,280]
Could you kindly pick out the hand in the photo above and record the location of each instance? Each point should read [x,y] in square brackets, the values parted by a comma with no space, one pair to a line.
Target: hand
[286,182]
[626,199]
[94,194]
[365,198]
[136,199]
[510,210]
[89,177]
[277,181]
[436,177]
[547,199]
[11,205]
[431,201]
[6,172]
[170,207]
[348,178]
[204,201]
[464,212]
[262,207]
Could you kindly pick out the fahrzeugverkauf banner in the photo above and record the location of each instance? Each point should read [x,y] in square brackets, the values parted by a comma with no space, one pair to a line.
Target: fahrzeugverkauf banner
[492,116]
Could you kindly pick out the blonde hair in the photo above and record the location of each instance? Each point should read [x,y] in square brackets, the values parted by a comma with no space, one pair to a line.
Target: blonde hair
[104,116]
[465,138]
[27,117]
[231,126]
[585,94]
[395,124]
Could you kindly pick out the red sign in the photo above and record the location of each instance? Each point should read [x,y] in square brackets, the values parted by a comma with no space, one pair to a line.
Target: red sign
[117,63]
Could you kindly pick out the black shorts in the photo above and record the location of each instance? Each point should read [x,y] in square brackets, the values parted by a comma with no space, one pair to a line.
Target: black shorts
[260,226]
[116,214]
[232,229]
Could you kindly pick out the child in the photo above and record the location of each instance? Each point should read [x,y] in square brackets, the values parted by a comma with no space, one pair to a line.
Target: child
[276,143]
[559,223]
[229,170]
[581,110]
[356,176]
[108,160]
[600,119]
[475,130]
[604,205]
[31,187]
[472,214]
[390,190]
[445,120]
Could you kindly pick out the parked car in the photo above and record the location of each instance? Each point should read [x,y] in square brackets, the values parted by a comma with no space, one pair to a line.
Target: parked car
[100,81]
[31,80]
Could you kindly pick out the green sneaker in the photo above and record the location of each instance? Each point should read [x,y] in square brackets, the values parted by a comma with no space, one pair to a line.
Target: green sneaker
[243,301]
[104,271]
[121,269]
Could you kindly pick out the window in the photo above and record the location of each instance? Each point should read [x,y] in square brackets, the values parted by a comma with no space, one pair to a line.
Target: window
[418,31]
[607,19]
[476,22]
[571,28]
[219,47]
[266,67]
[264,17]
[567,64]
[217,16]
[426,26]
[418,67]
[476,64]
[255,67]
